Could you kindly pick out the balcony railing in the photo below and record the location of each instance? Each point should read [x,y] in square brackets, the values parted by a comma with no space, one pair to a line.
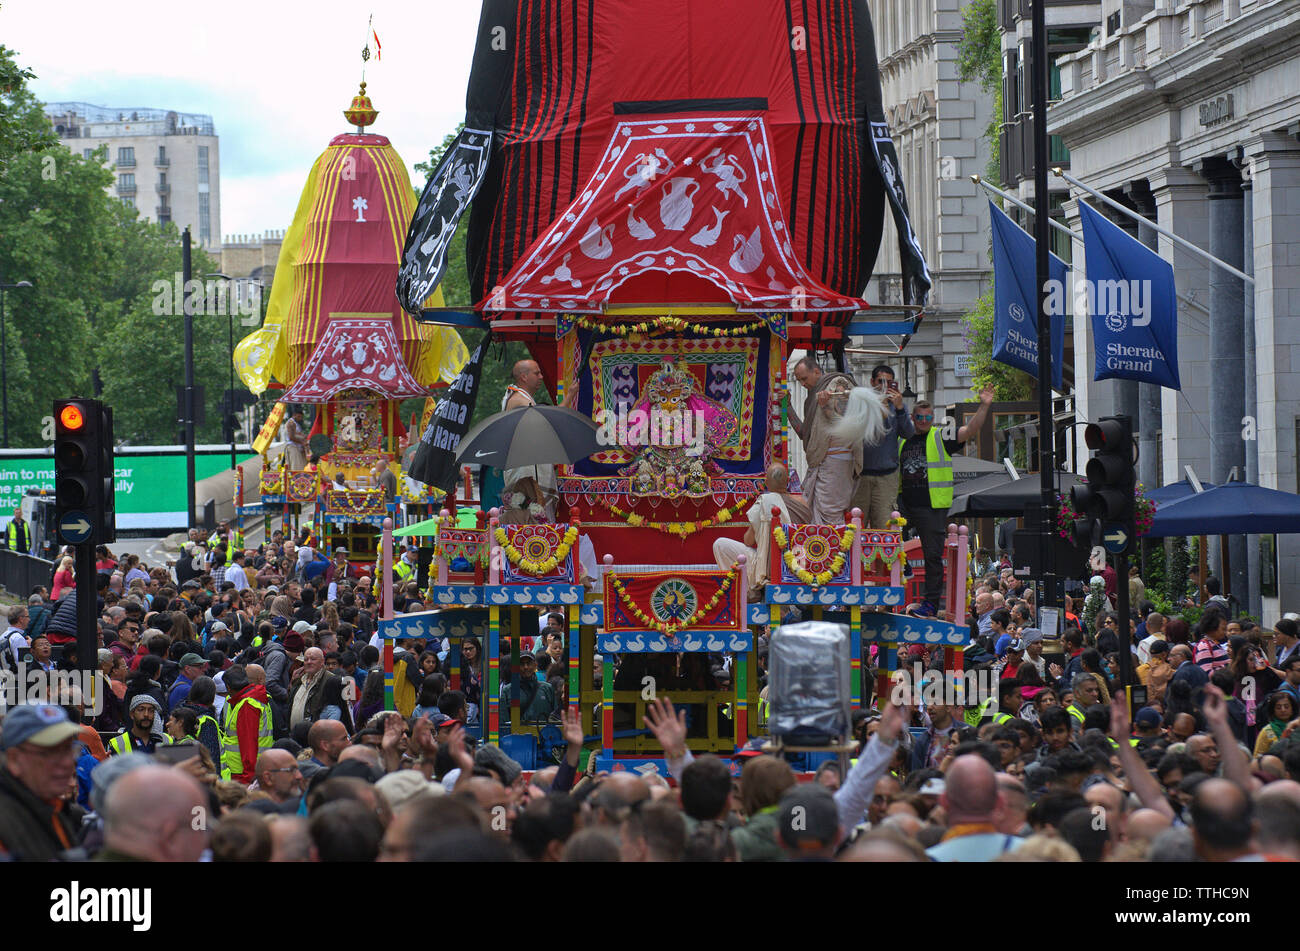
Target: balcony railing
[163,188]
[126,163]
[162,161]
[125,190]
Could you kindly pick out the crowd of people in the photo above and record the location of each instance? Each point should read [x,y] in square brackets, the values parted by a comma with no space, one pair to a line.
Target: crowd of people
[263,708]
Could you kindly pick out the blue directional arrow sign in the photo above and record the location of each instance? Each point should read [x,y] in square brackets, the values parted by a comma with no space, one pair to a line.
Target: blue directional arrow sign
[1115,537]
[75,528]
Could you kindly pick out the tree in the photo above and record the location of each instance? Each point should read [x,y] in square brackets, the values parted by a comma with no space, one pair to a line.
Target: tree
[89,322]
[979,59]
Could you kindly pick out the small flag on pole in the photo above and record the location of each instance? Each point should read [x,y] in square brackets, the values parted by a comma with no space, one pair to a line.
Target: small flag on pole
[379,50]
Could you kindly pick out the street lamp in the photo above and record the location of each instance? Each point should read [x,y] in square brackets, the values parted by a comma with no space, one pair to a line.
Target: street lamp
[4,355]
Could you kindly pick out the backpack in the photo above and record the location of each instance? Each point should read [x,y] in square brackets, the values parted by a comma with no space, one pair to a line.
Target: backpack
[38,615]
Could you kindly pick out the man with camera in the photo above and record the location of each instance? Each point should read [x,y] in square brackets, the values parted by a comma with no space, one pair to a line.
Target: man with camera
[877,489]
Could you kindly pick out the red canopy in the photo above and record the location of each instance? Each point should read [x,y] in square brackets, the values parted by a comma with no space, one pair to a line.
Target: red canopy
[355,352]
[693,200]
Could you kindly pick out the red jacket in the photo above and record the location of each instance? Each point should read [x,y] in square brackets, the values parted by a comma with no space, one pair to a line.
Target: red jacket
[247,727]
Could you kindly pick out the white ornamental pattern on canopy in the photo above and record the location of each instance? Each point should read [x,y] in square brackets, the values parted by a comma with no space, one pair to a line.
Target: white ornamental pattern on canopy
[355,352]
[672,195]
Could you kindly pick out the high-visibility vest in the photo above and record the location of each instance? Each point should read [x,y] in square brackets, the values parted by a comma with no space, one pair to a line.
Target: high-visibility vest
[12,533]
[209,718]
[232,764]
[125,743]
[1000,718]
[1075,712]
[938,469]
[403,569]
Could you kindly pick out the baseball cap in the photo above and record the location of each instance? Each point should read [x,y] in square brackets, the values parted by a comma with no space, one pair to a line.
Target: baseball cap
[41,724]
[809,817]
[1016,645]
[191,584]
[340,549]
[1031,635]
[1147,717]
[216,626]
[302,627]
[279,623]
[272,589]
[193,660]
[934,787]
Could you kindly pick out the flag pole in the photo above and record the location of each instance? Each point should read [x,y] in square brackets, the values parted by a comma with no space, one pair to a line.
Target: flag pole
[1024,206]
[1181,242]
[1042,235]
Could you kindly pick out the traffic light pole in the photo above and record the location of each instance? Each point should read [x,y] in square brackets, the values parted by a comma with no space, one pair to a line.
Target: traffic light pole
[1042,222]
[188,305]
[87,607]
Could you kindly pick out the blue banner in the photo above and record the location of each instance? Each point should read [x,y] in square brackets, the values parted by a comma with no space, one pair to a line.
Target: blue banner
[1015,300]
[1132,303]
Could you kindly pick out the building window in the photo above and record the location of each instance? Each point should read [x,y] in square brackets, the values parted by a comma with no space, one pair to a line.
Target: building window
[203,165]
[1057,152]
[1112,23]
[1011,95]
[126,181]
[126,157]
[205,220]
[87,154]
[129,202]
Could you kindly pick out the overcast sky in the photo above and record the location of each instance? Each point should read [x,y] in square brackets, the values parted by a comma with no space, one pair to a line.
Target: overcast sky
[275,76]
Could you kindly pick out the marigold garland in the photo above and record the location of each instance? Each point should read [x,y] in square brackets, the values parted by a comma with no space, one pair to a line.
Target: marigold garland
[670,628]
[668,323]
[682,530]
[546,566]
[803,574]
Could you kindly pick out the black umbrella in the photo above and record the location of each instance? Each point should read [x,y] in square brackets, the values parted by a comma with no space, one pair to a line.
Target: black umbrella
[530,436]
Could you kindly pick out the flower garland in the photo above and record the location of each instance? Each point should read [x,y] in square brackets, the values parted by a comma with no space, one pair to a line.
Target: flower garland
[670,628]
[546,565]
[803,574]
[682,530]
[668,323]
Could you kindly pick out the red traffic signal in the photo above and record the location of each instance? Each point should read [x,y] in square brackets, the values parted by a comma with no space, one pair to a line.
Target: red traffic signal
[71,417]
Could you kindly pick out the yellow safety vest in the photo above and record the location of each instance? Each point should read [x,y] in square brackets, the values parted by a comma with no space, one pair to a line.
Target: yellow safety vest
[232,764]
[938,469]
[125,743]
[1075,712]
[403,569]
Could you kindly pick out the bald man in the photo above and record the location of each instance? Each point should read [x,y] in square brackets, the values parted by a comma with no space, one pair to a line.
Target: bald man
[794,511]
[1144,825]
[1223,822]
[290,840]
[536,483]
[327,739]
[1013,818]
[280,778]
[972,801]
[152,814]
[1114,802]
[256,674]
[495,802]
[318,694]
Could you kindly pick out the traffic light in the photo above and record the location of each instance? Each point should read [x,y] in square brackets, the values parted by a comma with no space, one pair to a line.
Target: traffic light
[1107,498]
[84,509]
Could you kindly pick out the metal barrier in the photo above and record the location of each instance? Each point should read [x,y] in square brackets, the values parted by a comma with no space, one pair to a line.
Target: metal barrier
[21,573]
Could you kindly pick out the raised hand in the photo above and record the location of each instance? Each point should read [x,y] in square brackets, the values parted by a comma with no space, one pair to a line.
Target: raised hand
[1120,725]
[571,725]
[668,726]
